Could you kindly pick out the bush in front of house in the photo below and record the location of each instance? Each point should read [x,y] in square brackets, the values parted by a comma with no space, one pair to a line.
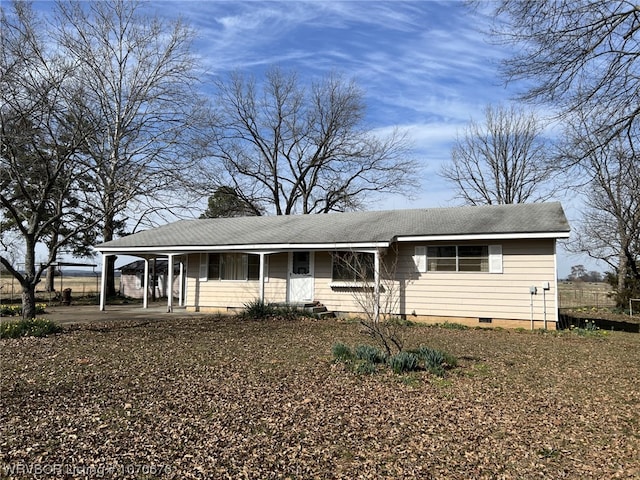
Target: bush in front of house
[403,362]
[35,327]
[259,310]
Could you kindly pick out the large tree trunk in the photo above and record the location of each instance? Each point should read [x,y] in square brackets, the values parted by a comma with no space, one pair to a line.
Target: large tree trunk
[51,278]
[107,235]
[28,301]
[28,282]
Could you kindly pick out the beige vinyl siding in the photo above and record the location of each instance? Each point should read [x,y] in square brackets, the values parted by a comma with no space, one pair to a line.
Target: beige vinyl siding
[337,299]
[234,293]
[453,295]
[478,294]
[275,290]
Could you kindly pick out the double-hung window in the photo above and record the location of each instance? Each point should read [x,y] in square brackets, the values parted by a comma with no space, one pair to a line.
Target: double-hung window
[352,267]
[459,258]
[468,258]
[233,266]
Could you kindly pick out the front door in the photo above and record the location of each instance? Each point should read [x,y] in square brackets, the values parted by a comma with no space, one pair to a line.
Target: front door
[300,277]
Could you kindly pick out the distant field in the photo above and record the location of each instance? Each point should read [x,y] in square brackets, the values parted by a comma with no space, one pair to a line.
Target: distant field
[585,294]
[80,287]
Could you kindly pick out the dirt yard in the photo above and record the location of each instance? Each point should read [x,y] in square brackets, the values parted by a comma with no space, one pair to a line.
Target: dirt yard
[224,398]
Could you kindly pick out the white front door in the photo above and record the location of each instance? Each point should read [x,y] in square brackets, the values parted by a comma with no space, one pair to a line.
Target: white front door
[300,277]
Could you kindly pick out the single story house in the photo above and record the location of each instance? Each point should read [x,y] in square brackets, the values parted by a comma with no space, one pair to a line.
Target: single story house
[132,282]
[475,265]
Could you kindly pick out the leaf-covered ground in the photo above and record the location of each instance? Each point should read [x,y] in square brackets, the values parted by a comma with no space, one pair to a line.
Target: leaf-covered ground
[226,398]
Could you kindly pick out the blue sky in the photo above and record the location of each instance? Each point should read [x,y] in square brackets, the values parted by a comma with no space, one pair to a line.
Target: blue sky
[425,67]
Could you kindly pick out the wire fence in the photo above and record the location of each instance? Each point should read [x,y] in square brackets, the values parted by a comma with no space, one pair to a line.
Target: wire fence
[11,292]
[575,295]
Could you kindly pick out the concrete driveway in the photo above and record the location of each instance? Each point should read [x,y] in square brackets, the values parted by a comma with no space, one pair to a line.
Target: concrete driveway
[78,314]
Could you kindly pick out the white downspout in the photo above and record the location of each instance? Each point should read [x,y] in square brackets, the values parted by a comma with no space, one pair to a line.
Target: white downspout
[145,284]
[103,282]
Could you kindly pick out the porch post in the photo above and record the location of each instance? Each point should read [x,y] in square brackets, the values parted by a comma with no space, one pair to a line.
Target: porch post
[145,284]
[170,282]
[181,284]
[262,255]
[376,284]
[103,282]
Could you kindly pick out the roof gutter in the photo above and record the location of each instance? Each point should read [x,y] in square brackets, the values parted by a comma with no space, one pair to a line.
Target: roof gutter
[272,248]
[483,236]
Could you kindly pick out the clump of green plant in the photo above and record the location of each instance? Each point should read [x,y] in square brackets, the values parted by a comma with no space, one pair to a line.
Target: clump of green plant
[36,327]
[258,309]
[341,352]
[435,361]
[590,329]
[363,360]
[403,362]
[366,359]
[7,310]
[261,310]
[370,354]
[453,326]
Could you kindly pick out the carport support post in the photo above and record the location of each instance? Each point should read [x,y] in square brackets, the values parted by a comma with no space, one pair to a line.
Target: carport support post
[181,284]
[376,284]
[103,282]
[170,282]
[145,284]
[262,255]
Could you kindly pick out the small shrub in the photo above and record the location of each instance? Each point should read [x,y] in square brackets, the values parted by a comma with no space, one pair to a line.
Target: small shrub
[453,326]
[435,361]
[290,312]
[258,309]
[365,368]
[7,310]
[399,321]
[430,357]
[10,310]
[370,354]
[341,352]
[36,327]
[403,362]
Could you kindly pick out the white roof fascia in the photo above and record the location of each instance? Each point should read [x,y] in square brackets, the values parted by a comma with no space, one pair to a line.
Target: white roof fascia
[483,236]
[257,248]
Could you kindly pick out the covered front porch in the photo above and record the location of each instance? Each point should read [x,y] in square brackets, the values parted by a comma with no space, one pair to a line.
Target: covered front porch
[231,277]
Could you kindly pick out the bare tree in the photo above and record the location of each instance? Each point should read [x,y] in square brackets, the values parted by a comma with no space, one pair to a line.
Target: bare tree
[305,150]
[139,80]
[610,228]
[41,181]
[576,55]
[503,160]
[378,304]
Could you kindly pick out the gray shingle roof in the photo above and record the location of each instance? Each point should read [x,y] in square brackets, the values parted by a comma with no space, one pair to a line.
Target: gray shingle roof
[350,227]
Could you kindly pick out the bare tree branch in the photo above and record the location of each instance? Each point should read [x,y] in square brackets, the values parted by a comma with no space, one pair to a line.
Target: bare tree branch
[503,160]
